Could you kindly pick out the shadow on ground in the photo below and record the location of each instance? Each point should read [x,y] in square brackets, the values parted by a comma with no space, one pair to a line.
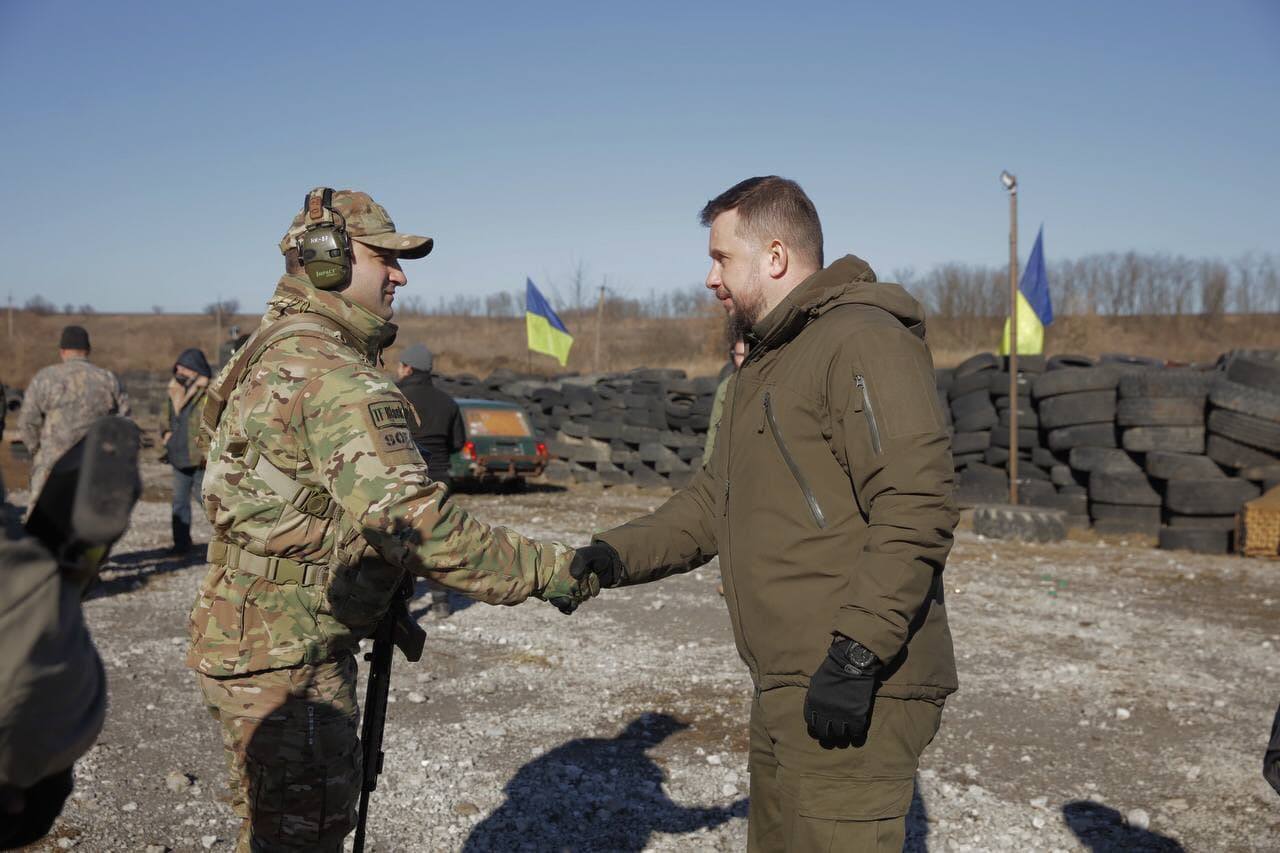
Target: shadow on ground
[126,572]
[917,825]
[1102,829]
[595,794]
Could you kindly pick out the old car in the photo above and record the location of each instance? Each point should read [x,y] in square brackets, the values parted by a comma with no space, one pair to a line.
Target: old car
[500,445]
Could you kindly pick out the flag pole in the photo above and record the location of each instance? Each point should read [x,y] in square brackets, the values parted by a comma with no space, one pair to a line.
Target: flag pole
[1011,183]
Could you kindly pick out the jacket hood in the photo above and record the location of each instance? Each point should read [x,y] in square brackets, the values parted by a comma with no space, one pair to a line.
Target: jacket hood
[193,359]
[848,281]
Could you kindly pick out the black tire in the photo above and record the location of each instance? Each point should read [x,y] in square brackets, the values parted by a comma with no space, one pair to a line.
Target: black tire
[1026,363]
[1160,411]
[1086,435]
[1256,370]
[1059,362]
[977,486]
[1199,540]
[1246,429]
[1261,473]
[974,364]
[1017,522]
[1024,404]
[968,384]
[1060,475]
[1233,454]
[1072,504]
[944,378]
[970,442]
[1179,439]
[1026,420]
[1208,497]
[1177,382]
[964,460]
[1087,407]
[1101,459]
[971,404]
[1034,492]
[1213,522]
[1074,380]
[983,419]
[1027,438]
[1164,465]
[1226,394]
[1046,458]
[1125,518]
[1127,489]
[998,457]
[998,384]
[1125,361]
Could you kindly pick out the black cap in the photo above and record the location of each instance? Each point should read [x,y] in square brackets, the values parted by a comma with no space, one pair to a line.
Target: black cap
[74,337]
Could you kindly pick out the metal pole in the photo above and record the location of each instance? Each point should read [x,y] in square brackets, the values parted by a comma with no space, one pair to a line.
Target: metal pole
[1013,344]
[599,324]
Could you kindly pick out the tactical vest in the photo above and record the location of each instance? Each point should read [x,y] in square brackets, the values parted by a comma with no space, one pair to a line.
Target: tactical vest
[346,595]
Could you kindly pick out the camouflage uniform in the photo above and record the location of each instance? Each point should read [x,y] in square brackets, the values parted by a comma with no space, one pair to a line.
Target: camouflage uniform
[58,406]
[298,579]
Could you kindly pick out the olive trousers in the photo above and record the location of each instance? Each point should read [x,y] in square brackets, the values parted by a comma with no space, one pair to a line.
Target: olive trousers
[293,751]
[808,797]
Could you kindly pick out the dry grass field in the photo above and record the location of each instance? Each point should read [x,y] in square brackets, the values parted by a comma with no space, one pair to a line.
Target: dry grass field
[150,342]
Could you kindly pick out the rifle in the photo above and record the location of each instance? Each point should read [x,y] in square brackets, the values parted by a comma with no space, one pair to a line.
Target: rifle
[397,628]
[86,502]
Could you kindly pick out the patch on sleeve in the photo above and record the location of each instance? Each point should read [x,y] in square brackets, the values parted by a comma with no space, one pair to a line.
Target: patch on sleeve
[388,422]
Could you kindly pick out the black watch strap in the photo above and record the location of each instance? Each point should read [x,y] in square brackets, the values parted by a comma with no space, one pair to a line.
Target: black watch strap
[855,658]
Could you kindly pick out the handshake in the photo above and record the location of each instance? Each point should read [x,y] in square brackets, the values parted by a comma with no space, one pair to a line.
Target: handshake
[594,567]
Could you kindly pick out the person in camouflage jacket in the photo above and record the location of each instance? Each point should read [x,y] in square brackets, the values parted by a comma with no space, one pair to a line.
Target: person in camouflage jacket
[62,400]
[320,503]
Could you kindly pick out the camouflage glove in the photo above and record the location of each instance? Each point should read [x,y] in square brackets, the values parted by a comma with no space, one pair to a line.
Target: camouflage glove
[565,591]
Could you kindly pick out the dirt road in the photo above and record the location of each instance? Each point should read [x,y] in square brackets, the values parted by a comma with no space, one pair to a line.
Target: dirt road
[1099,681]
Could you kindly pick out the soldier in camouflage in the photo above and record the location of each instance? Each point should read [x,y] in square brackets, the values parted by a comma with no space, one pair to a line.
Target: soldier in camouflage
[62,400]
[320,503]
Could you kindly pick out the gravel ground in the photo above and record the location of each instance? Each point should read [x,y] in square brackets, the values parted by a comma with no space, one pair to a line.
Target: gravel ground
[1113,697]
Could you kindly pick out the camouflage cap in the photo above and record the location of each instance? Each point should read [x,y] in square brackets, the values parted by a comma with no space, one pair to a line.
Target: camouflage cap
[367,222]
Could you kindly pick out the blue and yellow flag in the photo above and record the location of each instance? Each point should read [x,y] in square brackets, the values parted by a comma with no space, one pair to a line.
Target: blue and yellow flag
[547,333]
[1035,309]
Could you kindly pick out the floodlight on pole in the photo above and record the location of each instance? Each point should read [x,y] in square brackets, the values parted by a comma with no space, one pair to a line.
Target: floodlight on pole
[1011,184]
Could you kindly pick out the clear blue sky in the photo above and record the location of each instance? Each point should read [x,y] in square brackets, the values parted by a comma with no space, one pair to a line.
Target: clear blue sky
[153,153]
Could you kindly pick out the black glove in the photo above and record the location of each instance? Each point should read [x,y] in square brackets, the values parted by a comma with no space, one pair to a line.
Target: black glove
[601,560]
[838,704]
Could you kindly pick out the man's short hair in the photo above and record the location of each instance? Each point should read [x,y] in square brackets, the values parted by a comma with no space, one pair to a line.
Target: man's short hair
[771,208]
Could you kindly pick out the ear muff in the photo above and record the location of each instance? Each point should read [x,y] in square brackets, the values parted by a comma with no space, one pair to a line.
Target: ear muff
[324,248]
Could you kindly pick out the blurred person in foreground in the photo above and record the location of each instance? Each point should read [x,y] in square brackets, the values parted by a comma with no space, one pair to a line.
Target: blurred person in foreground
[181,439]
[62,400]
[828,498]
[737,354]
[320,504]
[437,431]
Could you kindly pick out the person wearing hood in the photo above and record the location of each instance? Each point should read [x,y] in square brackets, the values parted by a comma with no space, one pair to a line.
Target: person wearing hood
[191,374]
[828,499]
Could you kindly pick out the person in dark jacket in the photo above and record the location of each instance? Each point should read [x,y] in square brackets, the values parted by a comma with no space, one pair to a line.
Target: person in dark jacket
[186,390]
[828,499]
[438,434]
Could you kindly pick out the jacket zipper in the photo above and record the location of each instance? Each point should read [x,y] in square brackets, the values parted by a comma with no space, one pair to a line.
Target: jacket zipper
[814,508]
[725,433]
[870,412]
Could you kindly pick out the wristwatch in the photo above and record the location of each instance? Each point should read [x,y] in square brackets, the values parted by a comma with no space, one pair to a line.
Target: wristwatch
[855,658]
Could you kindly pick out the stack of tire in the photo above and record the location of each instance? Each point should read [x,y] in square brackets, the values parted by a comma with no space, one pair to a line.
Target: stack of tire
[973,416]
[1244,416]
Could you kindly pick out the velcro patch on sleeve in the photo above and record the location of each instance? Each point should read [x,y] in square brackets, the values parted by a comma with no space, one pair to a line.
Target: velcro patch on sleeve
[388,422]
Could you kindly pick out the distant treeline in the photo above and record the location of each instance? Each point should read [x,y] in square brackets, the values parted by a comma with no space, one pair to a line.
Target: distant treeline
[1116,284]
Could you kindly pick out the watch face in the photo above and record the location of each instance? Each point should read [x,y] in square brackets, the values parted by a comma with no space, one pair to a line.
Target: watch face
[861,656]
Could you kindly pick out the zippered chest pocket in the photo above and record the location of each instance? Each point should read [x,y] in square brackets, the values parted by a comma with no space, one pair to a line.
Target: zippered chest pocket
[815,509]
[862,403]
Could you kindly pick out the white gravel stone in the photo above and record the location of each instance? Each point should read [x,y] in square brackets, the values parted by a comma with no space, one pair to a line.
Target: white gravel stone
[1138,819]
[1122,713]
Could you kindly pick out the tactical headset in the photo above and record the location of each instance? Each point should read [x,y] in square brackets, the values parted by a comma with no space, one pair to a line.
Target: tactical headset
[324,247]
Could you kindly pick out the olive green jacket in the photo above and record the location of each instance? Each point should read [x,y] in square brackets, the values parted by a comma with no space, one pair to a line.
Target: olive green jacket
[828,496]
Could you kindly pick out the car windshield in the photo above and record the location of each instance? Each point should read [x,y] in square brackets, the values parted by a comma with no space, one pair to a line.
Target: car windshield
[504,422]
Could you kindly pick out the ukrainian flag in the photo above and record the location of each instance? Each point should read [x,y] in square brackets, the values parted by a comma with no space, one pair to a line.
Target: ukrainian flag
[1035,309]
[546,331]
